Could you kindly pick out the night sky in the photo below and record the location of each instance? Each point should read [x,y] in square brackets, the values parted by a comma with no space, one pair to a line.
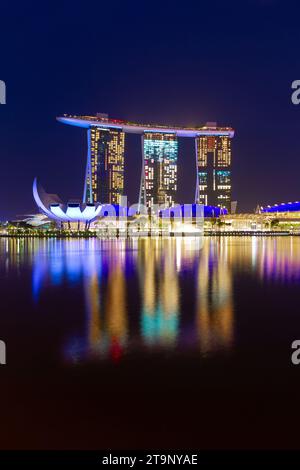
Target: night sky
[180,63]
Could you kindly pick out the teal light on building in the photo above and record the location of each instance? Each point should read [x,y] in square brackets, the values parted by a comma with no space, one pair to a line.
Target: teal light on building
[159,173]
[213,159]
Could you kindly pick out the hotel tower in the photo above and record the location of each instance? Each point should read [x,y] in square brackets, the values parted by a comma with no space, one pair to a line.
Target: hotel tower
[104,180]
[213,160]
[159,175]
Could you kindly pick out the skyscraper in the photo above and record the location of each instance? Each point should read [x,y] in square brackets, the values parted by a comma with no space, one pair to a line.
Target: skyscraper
[104,181]
[213,156]
[159,173]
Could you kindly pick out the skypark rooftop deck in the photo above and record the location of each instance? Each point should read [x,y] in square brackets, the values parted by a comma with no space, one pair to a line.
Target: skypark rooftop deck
[137,128]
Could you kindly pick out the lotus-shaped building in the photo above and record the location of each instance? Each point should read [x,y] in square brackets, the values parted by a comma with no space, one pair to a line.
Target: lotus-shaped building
[52,206]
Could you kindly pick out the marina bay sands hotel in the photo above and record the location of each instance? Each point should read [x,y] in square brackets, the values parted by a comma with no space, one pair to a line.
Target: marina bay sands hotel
[104,178]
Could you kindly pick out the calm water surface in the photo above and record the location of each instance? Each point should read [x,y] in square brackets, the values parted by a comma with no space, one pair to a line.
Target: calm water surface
[149,343]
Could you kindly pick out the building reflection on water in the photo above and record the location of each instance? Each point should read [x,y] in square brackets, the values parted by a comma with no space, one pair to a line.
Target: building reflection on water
[214,311]
[149,294]
[159,268]
[159,286]
[106,320]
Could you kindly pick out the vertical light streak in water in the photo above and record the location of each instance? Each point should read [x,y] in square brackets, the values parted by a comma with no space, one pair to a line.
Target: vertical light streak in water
[106,319]
[147,267]
[159,291]
[56,253]
[214,306]
[178,254]
[168,294]
[282,261]
[75,253]
[115,309]
[93,304]
[92,279]
[254,252]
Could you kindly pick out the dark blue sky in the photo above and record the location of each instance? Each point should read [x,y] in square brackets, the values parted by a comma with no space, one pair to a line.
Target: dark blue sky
[171,62]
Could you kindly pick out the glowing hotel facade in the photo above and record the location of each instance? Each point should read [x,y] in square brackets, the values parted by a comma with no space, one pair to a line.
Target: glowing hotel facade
[159,174]
[104,178]
[213,154]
